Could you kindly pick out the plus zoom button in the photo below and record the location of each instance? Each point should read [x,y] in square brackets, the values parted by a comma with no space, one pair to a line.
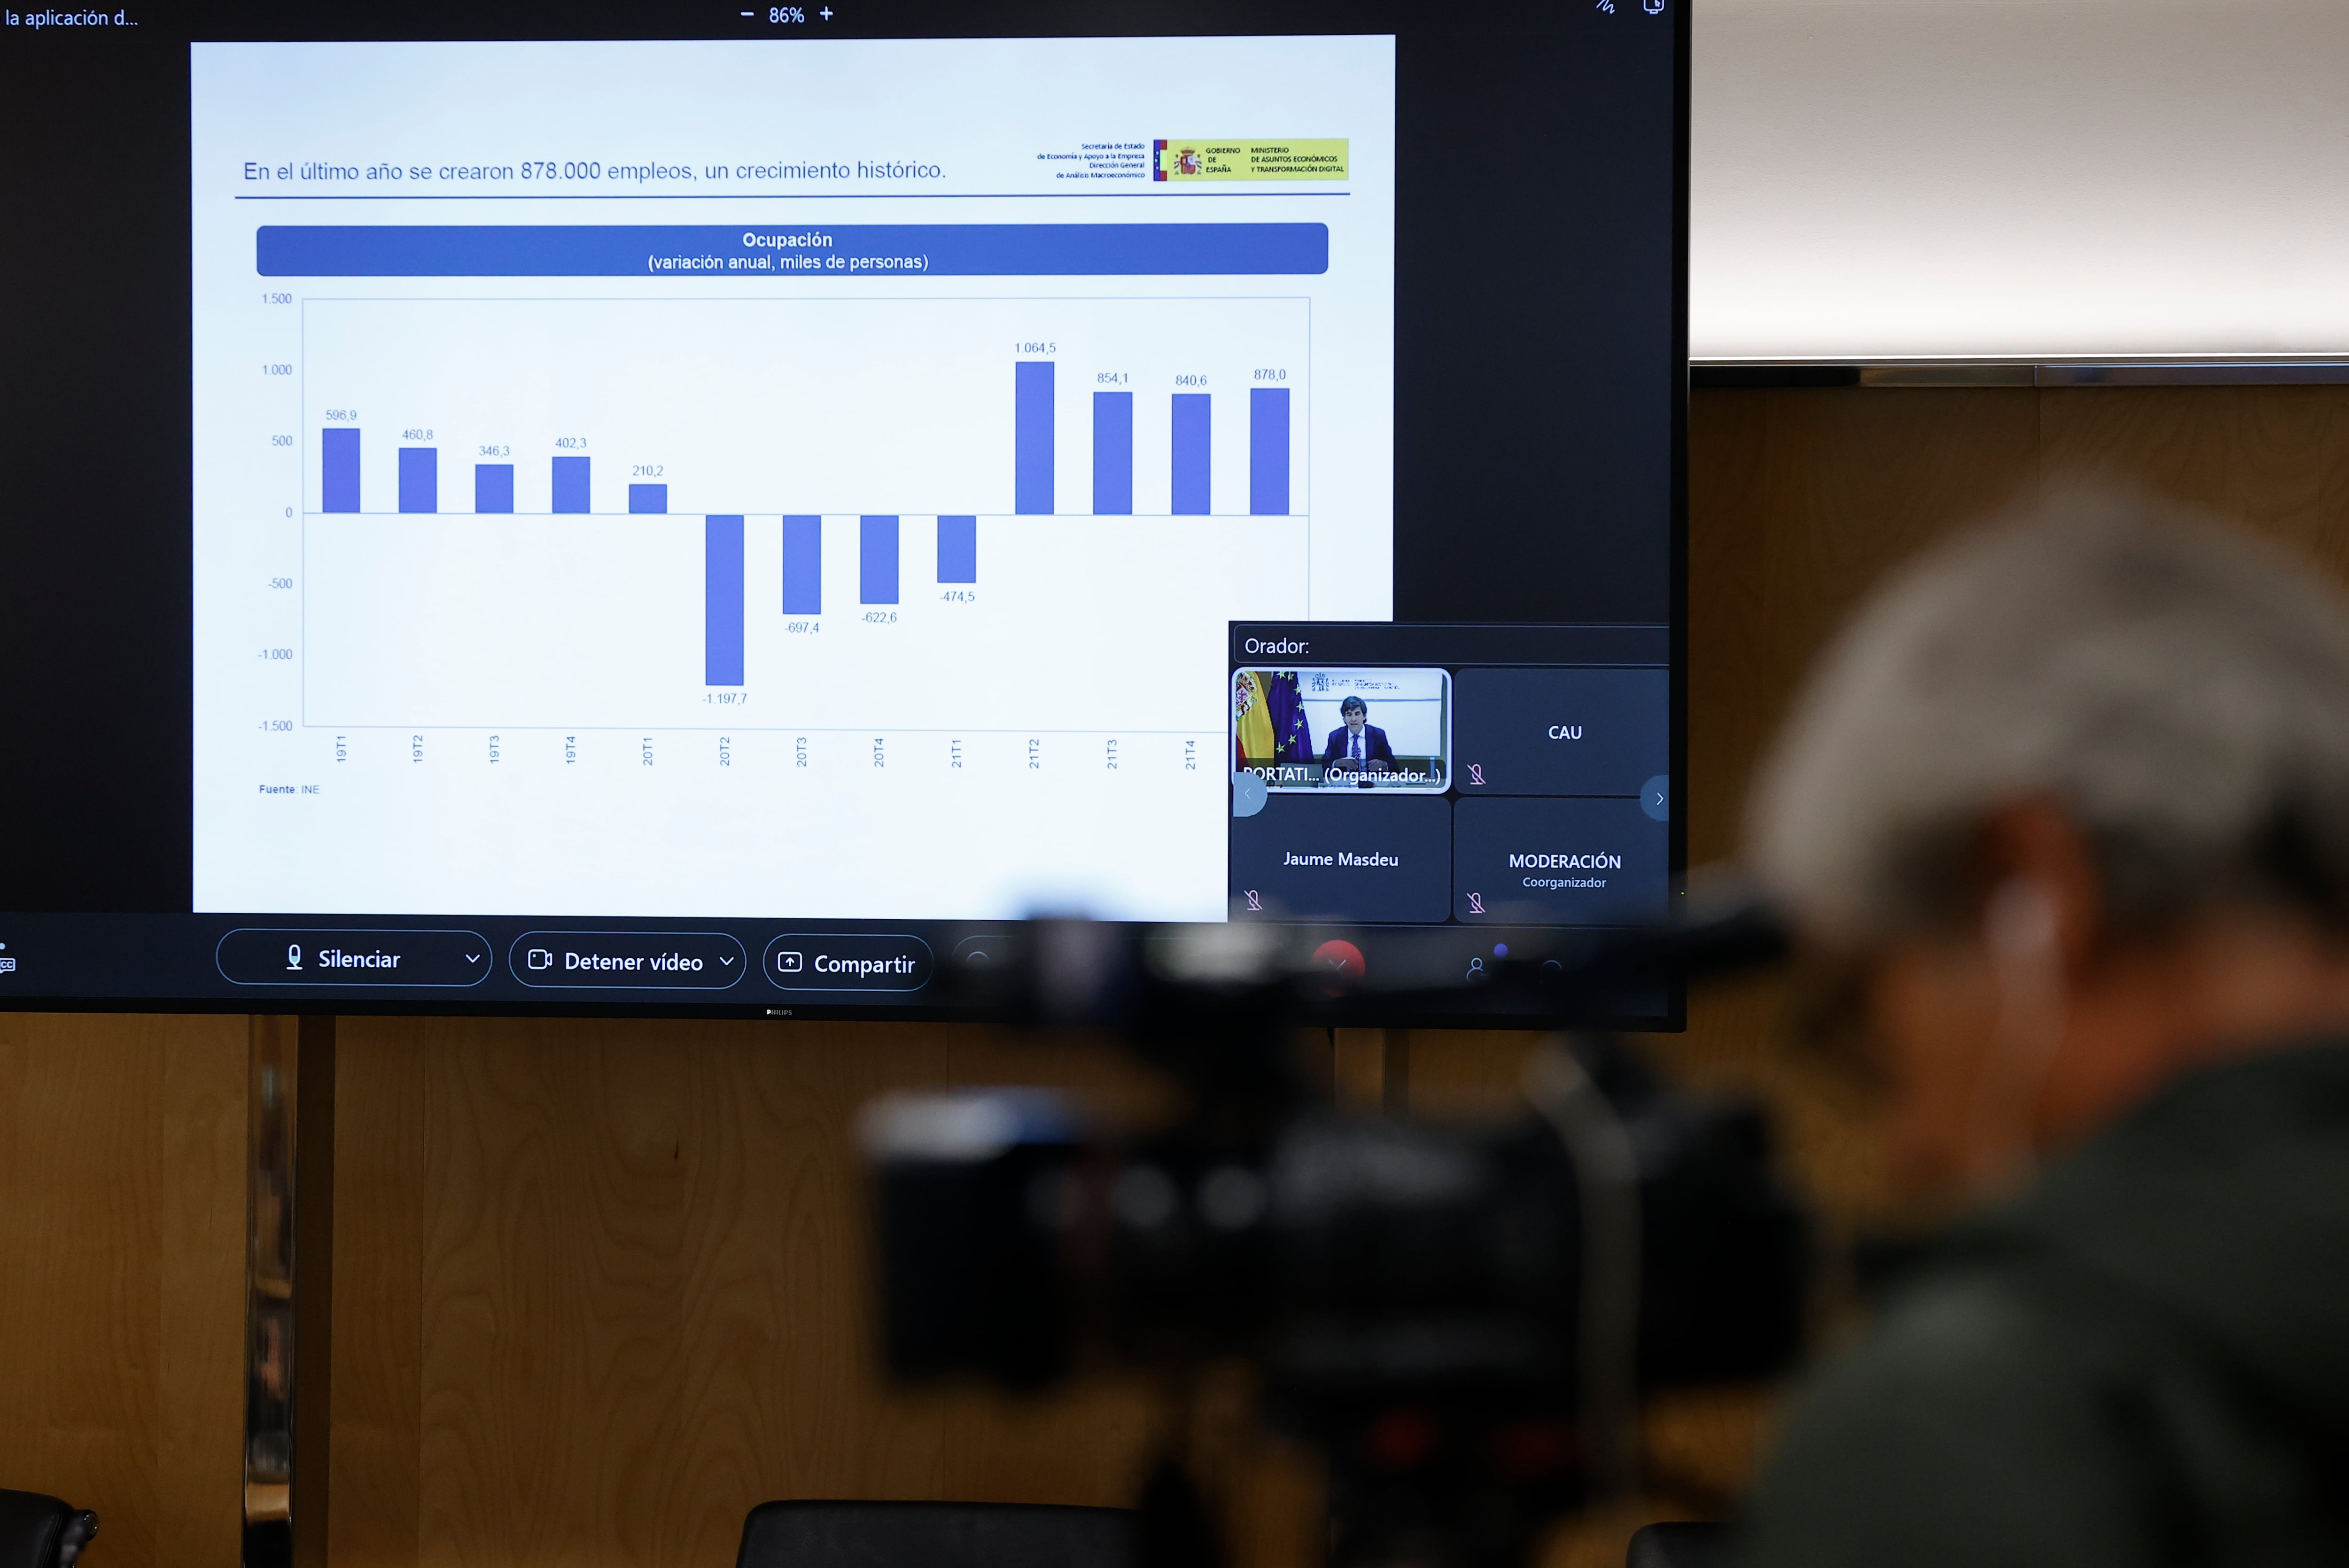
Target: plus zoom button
[821,961]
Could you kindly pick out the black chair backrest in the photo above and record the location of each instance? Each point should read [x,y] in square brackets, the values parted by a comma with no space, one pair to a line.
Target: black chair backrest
[41,1532]
[1686,1545]
[932,1535]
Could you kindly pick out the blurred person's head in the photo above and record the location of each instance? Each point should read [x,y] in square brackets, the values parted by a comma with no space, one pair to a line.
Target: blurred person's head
[1355,712]
[2068,809]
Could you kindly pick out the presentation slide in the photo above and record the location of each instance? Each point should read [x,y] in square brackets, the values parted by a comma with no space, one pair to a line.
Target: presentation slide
[809,479]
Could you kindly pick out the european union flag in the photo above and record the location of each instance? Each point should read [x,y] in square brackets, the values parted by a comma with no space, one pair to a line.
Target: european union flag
[1292,738]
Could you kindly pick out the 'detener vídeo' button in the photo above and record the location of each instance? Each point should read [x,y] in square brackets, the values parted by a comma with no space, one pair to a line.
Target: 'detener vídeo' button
[628,960]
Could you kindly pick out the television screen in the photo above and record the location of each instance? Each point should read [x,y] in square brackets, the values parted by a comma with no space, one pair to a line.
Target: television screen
[722,509]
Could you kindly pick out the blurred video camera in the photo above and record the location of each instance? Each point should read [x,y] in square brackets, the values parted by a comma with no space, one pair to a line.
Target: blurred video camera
[1461,1317]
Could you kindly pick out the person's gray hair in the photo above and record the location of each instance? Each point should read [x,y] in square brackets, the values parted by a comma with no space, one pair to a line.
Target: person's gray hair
[2181,691]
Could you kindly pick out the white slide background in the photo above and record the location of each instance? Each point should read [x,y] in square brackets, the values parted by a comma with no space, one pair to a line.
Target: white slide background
[450,713]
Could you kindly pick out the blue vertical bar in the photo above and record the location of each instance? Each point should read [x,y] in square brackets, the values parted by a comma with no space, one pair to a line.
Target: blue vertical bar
[1192,436]
[339,470]
[1112,454]
[1268,452]
[570,484]
[877,561]
[958,549]
[1032,436]
[420,478]
[803,566]
[721,569]
[492,487]
[649,497]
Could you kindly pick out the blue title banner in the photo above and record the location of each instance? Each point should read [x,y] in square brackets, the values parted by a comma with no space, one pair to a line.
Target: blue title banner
[949,250]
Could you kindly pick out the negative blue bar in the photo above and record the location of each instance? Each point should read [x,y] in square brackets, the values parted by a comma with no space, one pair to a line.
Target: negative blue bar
[1193,435]
[339,470]
[803,566]
[721,568]
[877,560]
[492,487]
[958,549]
[769,251]
[1268,452]
[571,484]
[1031,440]
[1112,454]
[649,497]
[420,478]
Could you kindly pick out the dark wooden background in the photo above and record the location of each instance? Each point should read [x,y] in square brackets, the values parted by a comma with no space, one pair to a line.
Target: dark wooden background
[600,1287]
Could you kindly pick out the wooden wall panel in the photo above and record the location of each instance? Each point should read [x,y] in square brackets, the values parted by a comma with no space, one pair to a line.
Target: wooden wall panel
[122,1303]
[377,1340]
[610,1280]
[1798,501]
[2274,457]
[200,1149]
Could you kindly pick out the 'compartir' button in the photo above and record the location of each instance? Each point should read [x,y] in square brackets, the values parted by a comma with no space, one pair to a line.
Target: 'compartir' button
[628,960]
[829,961]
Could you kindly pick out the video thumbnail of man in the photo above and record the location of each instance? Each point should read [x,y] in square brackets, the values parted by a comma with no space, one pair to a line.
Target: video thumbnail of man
[1321,729]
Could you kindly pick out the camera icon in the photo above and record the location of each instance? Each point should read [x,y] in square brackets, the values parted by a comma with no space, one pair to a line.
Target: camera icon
[540,958]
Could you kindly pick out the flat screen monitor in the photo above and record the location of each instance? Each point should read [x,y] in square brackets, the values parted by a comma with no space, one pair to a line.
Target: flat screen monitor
[720,510]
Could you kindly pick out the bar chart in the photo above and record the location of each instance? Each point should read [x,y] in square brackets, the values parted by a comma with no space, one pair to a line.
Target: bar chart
[889,512]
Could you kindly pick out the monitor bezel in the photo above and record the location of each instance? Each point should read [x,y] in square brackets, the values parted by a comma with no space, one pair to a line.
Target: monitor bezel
[922,18]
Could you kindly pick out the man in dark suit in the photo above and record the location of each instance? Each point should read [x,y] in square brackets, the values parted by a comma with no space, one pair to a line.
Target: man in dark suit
[1361,746]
